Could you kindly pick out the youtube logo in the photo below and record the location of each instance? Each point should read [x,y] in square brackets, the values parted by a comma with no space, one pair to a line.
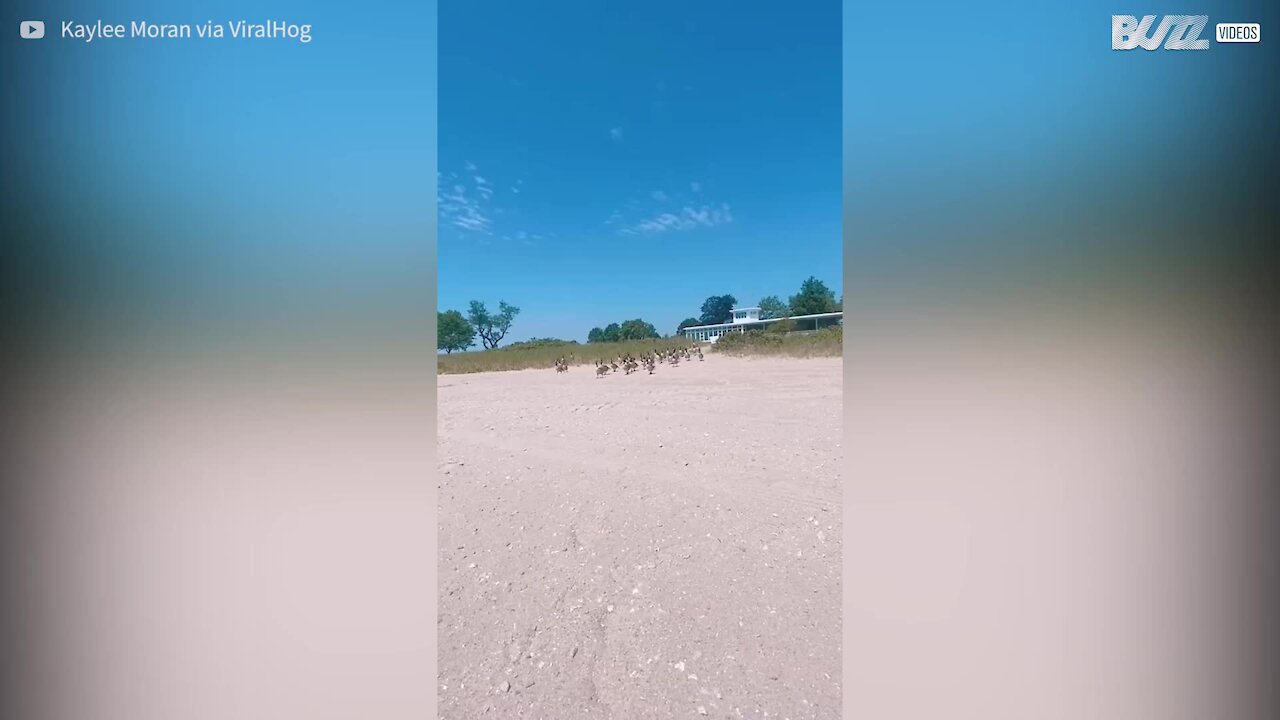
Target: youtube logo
[31,29]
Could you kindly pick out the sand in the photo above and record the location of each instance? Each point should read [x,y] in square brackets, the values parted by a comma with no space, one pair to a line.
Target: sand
[644,546]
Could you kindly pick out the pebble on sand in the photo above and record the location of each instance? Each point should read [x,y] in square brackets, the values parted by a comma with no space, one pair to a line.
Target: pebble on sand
[505,686]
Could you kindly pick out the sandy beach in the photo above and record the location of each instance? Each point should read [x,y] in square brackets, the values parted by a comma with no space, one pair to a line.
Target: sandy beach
[644,546]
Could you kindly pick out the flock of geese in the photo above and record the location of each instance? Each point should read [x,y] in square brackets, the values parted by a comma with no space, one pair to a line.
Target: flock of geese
[629,363]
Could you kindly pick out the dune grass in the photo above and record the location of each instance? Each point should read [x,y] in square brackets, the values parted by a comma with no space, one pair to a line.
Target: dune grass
[544,355]
[828,342]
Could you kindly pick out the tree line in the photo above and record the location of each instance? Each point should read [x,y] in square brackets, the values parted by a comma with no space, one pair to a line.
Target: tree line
[813,298]
[456,331]
[628,330]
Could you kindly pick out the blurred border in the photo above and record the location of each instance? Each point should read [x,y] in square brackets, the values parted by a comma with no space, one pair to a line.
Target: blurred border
[218,451]
[1061,498]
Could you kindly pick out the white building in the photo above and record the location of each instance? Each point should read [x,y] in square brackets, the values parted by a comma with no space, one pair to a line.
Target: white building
[745,319]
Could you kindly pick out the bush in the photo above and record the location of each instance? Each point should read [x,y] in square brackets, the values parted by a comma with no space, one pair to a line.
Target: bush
[823,343]
[738,342]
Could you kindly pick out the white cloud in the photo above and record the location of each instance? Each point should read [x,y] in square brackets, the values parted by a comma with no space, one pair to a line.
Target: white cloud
[472,222]
[659,196]
[688,218]
[464,211]
[464,199]
[615,133]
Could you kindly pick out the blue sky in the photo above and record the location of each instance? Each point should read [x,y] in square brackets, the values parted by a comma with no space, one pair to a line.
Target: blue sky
[606,161]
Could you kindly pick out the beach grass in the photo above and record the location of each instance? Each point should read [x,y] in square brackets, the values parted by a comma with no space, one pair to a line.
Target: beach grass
[828,342]
[544,355]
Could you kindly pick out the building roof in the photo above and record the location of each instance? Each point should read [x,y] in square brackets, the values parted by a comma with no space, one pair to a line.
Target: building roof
[769,320]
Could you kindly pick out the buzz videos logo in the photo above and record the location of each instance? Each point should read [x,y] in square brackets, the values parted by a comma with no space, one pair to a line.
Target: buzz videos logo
[1175,32]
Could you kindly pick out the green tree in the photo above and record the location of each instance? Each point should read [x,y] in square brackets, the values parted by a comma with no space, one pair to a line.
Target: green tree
[772,307]
[491,327]
[717,309]
[813,298]
[686,323]
[611,333]
[637,330]
[596,335]
[453,332]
